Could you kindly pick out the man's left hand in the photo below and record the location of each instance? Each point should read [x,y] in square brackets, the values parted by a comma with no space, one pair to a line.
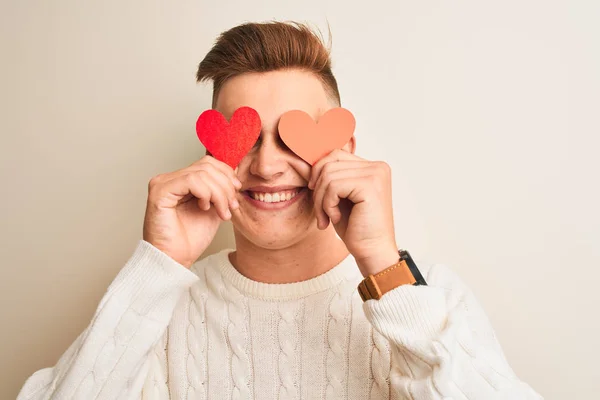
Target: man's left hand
[356,196]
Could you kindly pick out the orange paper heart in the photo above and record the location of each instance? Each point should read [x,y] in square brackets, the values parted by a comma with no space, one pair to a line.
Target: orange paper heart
[312,140]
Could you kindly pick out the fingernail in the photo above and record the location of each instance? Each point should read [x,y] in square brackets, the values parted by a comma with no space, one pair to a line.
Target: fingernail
[227,214]
[237,183]
[235,204]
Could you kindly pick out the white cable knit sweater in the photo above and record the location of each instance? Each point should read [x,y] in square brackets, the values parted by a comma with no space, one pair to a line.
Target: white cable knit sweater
[165,332]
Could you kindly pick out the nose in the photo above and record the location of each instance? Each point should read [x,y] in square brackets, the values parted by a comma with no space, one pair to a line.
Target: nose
[268,161]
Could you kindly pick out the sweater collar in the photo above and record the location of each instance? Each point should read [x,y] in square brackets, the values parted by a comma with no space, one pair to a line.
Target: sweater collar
[346,270]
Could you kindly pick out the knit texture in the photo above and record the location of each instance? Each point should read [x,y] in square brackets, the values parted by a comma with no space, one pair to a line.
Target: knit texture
[164,332]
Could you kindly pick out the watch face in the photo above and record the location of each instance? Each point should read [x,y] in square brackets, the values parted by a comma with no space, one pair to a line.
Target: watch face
[405,255]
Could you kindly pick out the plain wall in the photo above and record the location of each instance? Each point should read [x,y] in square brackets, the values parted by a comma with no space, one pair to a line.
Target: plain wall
[488,113]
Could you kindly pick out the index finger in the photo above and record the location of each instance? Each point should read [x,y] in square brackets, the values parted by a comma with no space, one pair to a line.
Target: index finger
[335,155]
[221,166]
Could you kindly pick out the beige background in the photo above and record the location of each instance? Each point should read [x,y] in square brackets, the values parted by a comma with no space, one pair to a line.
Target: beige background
[488,114]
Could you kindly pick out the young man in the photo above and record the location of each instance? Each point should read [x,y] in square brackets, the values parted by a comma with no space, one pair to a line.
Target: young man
[281,316]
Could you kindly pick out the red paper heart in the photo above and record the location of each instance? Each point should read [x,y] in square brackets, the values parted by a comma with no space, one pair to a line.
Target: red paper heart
[310,140]
[229,141]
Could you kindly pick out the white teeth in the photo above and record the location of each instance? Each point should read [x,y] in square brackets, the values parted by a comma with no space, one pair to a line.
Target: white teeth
[274,197]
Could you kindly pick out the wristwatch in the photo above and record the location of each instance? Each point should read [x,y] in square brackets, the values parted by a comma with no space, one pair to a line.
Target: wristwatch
[404,272]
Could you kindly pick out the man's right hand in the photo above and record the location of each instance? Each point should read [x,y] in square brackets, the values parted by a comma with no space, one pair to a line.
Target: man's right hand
[186,207]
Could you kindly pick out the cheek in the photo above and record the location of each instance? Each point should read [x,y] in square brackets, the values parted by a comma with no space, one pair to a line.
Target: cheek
[302,168]
[243,169]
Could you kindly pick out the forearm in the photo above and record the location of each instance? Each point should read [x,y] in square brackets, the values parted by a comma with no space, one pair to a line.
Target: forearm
[443,343]
[107,359]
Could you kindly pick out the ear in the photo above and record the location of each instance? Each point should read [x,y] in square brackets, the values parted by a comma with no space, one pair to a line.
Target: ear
[351,145]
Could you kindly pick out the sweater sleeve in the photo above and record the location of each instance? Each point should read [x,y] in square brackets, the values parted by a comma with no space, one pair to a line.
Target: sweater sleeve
[115,357]
[443,343]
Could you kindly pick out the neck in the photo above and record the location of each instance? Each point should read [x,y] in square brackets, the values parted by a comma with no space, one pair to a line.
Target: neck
[311,257]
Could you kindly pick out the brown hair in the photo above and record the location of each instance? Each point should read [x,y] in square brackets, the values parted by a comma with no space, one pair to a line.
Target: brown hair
[263,47]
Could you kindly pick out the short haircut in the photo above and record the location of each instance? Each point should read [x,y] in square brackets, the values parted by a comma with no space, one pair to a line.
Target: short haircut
[264,47]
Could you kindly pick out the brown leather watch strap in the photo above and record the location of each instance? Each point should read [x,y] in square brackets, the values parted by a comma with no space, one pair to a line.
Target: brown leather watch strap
[375,286]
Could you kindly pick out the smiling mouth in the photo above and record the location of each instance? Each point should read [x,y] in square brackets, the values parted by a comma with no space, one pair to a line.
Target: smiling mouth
[275,197]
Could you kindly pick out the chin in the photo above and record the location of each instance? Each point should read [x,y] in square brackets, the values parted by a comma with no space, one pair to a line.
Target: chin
[273,235]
